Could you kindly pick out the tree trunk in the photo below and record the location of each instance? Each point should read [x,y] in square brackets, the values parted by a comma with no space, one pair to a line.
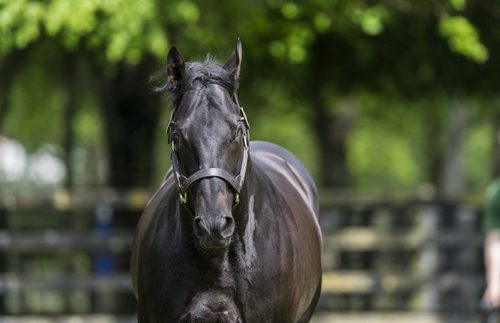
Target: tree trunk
[433,146]
[332,131]
[331,128]
[452,177]
[496,146]
[70,110]
[131,111]
[4,105]
[8,70]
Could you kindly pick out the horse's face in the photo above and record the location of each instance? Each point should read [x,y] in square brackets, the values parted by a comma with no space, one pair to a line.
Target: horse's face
[207,133]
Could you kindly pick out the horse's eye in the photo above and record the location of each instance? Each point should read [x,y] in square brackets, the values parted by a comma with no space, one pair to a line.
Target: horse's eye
[237,133]
[175,136]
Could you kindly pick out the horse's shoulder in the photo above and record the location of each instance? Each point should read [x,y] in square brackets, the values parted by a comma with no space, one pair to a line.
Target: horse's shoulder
[148,218]
[284,168]
[159,199]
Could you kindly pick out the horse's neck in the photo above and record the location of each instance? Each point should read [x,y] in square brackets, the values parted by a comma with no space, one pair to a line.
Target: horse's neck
[221,269]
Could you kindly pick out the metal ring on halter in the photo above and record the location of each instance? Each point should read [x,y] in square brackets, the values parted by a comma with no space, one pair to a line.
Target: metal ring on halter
[236,199]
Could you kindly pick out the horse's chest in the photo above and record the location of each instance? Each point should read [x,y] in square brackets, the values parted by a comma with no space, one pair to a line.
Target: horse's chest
[184,273]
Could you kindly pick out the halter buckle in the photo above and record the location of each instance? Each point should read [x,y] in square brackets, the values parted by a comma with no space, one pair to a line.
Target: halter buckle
[245,141]
[183,198]
[236,199]
[244,117]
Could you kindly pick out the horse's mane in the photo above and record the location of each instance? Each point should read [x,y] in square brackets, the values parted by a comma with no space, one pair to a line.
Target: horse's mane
[207,72]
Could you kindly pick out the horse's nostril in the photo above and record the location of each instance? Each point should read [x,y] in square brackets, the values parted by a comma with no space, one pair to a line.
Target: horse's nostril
[200,227]
[216,230]
[227,227]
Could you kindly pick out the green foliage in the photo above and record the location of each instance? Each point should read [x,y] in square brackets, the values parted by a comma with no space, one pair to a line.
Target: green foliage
[371,20]
[127,30]
[117,29]
[19,24]
[383,161]
[302,23]
[290,10]
[322,22]
[478,152]
[463,38]
[88,125]
[383,150]
[283,123]
[386,149]
[37,99]
[458,5]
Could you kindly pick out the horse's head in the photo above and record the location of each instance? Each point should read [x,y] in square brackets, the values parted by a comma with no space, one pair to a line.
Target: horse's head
[209,135]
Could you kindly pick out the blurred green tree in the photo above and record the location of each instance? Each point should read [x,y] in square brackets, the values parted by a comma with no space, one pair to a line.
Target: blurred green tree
[119,44]
[311,54]
[414,50]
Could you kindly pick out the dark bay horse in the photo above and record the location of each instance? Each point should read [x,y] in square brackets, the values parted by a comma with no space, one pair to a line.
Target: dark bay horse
[232,234]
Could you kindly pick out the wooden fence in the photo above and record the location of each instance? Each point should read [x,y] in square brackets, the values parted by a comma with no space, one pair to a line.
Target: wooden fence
[68,253]
[407,254]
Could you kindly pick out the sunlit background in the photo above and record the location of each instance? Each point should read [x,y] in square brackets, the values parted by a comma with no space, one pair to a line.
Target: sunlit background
[393,105]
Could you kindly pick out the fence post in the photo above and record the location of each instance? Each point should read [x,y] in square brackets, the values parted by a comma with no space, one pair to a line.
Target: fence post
[469,262]
[104,265]
[3,258]
[429,257]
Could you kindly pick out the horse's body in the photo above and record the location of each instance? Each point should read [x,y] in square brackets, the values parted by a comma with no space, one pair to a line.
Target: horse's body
[270,270]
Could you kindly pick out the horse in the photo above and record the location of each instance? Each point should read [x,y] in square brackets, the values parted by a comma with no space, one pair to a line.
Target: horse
[232,234]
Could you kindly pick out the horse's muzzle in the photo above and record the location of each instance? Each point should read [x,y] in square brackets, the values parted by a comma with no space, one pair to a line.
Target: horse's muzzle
[214,232]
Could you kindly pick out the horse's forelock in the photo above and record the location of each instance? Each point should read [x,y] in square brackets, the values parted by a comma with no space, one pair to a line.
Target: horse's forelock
[207,72]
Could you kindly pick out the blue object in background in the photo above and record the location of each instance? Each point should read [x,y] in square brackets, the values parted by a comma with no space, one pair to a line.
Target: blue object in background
[104,262]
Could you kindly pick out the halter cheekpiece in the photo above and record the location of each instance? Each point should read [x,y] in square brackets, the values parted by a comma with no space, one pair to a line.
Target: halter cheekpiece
[235,182]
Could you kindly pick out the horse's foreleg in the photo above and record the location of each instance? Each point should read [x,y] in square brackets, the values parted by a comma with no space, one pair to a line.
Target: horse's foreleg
[211,307]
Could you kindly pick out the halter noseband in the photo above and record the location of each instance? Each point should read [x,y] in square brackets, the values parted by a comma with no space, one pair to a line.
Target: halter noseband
[235,182]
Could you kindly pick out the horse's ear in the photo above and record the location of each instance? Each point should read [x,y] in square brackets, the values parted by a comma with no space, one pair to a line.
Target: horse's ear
[233,63]
[175,66]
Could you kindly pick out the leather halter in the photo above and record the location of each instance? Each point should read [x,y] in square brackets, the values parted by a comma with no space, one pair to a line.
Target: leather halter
[235,182]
